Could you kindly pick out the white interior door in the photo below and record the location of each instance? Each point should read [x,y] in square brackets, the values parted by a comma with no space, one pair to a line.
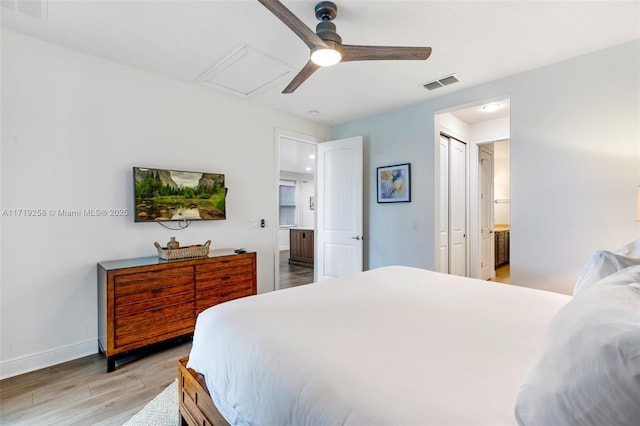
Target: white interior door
[339,208]
[443,230]
[487,241]
[457,207]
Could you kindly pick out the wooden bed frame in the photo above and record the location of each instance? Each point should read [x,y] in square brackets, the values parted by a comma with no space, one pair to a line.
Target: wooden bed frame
[196,406]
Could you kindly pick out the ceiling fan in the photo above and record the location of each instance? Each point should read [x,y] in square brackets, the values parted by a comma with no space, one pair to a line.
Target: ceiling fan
[326,45]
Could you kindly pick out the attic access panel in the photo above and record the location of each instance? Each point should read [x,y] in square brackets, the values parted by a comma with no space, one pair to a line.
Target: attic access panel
[245,72]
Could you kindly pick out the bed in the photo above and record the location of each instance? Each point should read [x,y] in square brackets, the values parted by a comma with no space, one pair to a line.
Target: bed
[395,345]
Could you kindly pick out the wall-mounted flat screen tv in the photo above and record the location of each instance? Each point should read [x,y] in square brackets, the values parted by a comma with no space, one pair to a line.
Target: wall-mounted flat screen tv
[166,195]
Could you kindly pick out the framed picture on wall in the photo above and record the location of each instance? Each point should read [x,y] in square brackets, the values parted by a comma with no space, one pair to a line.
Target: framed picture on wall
[394,183]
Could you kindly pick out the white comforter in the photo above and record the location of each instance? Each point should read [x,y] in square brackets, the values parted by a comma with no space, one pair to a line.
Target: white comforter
[392,346]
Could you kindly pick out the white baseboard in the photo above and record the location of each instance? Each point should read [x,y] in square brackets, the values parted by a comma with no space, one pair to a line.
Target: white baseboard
[34,362]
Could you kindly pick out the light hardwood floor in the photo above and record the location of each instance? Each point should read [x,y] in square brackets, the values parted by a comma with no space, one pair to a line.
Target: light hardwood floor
[503,274]
[293,275]
[81,392]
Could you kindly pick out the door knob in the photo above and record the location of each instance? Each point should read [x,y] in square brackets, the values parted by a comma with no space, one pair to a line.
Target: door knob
[357,237]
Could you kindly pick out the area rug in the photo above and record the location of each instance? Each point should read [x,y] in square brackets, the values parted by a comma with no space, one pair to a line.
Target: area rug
[161,411]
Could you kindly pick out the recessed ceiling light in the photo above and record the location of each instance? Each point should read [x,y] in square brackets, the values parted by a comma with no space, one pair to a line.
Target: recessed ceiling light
[313,112]
[312,156]
[491,107]
[308,169]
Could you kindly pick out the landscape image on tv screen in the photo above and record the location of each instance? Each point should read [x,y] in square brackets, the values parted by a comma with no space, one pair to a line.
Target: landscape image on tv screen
[164,195]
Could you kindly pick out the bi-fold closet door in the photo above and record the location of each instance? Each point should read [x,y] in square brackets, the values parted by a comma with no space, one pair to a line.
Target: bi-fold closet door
[453,206]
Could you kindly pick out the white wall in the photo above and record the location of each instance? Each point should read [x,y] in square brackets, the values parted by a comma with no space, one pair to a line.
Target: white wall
[73,125]
[490,130]
[575,167]
[307,190]
[454,127]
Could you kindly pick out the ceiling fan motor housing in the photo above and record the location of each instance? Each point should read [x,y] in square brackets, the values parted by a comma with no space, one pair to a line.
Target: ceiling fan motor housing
[326,30]
[326,11]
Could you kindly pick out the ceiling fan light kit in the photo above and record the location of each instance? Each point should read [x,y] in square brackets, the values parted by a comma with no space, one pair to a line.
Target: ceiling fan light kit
[325,57]
[326,46]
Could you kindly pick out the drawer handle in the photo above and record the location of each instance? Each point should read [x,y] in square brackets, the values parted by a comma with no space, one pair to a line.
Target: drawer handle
[156,309]
[226,277]
[157,290]
[226,294]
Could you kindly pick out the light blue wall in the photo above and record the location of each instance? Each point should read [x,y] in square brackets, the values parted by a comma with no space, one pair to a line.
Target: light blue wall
[575,167]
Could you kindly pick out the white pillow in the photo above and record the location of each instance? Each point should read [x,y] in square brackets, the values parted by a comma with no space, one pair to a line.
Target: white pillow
[601,264]
[588,371]
[630,250]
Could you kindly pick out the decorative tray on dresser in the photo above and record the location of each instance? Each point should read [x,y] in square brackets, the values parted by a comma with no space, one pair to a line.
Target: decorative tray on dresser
[145,302]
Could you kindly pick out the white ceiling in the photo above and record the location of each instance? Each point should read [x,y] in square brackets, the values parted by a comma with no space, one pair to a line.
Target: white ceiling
[476,114]
[479,41]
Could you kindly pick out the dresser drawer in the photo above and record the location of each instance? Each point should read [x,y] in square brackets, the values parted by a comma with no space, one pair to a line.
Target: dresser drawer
[131,323]
[225,262]
[224,273]
[168,297]
[236,283]
[206,282]
[148,292]
[145,331]
[154,275]
[205,301]
[121,289]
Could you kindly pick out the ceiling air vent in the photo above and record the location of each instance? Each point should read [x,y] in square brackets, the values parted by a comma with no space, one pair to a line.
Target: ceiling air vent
[444,81]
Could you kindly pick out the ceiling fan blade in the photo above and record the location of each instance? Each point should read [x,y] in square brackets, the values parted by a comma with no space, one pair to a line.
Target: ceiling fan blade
[377,53]
[294,23]
[304,73]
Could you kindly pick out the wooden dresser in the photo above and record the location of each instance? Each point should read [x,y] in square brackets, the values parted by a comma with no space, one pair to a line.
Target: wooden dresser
[147,301]
[301,246]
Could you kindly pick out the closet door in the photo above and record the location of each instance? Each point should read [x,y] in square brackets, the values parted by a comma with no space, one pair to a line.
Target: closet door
[443,230]
[457,207]
[452,228]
